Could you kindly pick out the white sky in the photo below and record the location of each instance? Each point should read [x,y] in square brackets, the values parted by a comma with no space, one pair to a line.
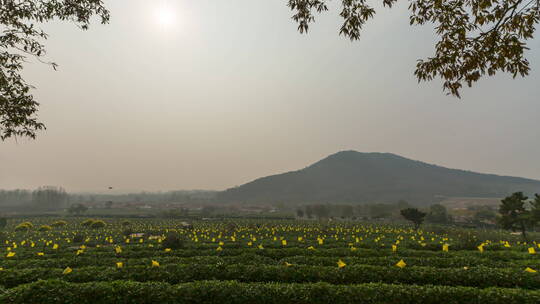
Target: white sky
[211,94]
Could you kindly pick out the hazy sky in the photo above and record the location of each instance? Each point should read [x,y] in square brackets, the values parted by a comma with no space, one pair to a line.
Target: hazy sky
[211,94]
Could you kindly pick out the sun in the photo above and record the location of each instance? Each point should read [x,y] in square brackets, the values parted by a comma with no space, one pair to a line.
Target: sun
[165,16]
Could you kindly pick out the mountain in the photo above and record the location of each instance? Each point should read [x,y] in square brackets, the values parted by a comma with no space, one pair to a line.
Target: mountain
[355,177]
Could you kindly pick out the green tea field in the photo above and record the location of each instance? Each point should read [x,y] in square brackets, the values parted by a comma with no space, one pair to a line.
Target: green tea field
[261,261]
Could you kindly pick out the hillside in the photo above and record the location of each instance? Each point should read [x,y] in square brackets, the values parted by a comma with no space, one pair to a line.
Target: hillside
[355,177]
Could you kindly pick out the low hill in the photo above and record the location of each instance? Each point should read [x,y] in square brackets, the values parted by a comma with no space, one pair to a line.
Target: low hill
[355,177]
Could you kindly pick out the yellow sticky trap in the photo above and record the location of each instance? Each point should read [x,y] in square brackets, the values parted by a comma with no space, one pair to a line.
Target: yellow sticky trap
[445,248]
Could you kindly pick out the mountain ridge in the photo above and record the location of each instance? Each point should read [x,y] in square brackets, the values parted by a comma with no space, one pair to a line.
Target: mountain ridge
[356,177]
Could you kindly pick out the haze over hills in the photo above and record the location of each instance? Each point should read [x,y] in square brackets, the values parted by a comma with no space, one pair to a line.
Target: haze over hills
[355,177]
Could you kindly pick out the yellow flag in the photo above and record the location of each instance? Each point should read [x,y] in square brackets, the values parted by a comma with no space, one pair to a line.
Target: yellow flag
[219,248]
[481,248]
[401,264]
[394,248]
[55,246]
[341,264]
[67,270]
[40,254]
[528,269]
[445,247]
[531,250]
[155,263]
[288,264]
[10,254]
[320,241]
[284,242]
[168,249]
[119,265]
[260,246]
[118,249]
[506,244]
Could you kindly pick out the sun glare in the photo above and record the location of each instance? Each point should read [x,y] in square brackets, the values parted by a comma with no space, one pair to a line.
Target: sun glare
[165,16]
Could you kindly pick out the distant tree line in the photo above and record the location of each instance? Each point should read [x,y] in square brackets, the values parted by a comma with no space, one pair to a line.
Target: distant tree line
[346,211]
[43,199]
[516,213]
[479,216]
[55,198]
[435,214]
[180,196]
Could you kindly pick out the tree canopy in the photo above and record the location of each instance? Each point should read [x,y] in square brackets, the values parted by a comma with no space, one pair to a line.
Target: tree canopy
[476,37]
[21,38]
[518,214]
[414,215]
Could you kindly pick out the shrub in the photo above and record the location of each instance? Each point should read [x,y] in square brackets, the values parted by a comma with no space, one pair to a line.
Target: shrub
[3,222]
[45,228]
[56,291]
[24,226]
[127,232]
[78,238]
[87,222]
[59,224]
[97,224]
[29,224]
[173,241]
